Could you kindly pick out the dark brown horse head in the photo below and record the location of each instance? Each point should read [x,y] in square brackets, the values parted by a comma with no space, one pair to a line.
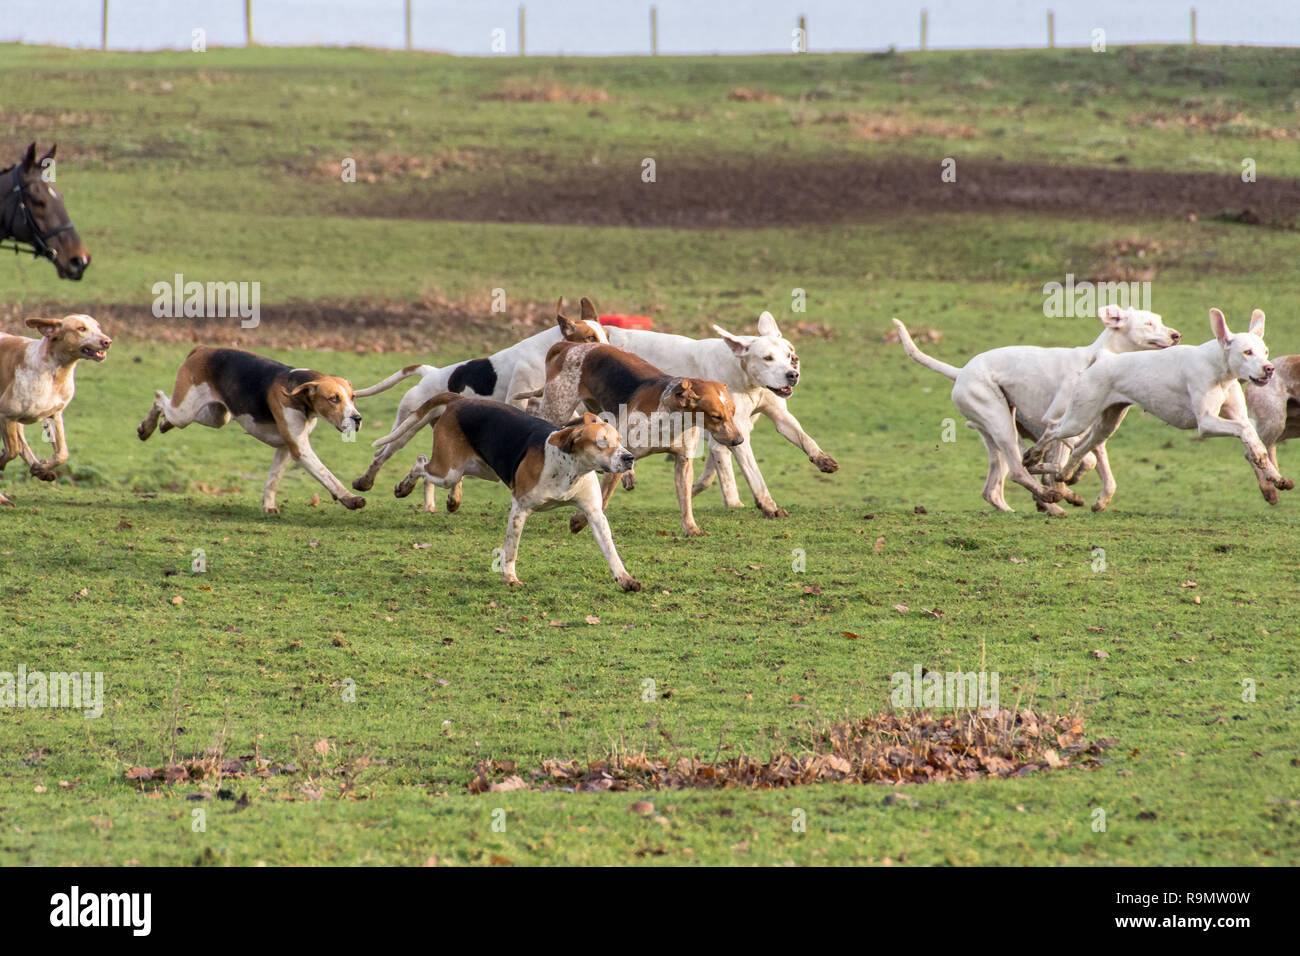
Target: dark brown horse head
[32,213]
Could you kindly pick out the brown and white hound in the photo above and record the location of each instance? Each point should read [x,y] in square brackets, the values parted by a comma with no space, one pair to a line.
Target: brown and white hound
[37,384]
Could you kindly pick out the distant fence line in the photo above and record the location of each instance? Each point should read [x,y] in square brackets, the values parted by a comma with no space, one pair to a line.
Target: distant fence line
[799,33]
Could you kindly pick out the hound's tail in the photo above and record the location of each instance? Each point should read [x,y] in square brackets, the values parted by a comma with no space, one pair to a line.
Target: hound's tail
[413,423]
[393,379]
[535,393]
[943,368]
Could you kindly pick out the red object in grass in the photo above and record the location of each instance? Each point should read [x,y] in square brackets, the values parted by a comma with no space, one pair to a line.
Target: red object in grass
[621,321]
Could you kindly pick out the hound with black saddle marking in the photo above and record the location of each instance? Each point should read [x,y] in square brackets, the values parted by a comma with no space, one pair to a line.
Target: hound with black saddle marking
[657,412]
[498,377]
[37,384]
[276,404]
[544,466]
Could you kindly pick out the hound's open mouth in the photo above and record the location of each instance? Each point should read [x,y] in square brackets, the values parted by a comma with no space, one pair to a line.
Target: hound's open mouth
[785,391]
[1262,380]
[90,352]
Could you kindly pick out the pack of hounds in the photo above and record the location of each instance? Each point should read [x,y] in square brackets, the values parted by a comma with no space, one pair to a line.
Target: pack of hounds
[549,413]
[672,389]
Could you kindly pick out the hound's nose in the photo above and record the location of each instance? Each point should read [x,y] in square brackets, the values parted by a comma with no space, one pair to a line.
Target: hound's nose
[627,459]
[1175,336]
[1268,370]
[356,420]
[792,377]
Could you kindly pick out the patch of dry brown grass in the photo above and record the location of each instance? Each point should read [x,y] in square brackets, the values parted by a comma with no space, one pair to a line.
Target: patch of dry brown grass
[530,89]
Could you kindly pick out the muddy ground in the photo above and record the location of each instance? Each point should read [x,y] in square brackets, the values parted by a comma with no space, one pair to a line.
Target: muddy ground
[749,195]
[791,194]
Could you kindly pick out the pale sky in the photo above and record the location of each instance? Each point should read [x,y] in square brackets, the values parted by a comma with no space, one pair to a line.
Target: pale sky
[622,26]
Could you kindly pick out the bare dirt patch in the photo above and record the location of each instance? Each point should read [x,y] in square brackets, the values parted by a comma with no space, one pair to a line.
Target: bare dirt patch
[753,193]
[888,749]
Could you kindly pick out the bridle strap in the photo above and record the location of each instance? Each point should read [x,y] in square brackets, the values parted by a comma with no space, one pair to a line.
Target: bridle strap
[40,241]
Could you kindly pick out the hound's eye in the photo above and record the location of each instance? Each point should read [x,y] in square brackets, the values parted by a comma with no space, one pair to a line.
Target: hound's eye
[1248,352]
[602,443]
[334,399]
[769,358]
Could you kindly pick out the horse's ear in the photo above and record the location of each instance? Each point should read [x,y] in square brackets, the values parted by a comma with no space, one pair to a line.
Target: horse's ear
[50,155]
[30,159]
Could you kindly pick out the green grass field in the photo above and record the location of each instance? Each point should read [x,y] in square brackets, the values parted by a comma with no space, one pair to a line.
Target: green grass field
[207,164]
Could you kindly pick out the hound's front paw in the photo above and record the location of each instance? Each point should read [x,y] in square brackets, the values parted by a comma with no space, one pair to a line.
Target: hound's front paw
[352,502]
[694,532]
[629,584]
[44,472]
[826,463]
[775,512]
[511,580]
[270,510]
[1048,496]
[364,483]
[1283,484]
[6,501]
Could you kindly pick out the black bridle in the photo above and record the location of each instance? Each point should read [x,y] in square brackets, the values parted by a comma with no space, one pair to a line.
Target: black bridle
[39,244]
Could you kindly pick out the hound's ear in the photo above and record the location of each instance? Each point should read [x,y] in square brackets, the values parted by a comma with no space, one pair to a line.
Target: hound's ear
[47,327]
[736,345]
[303,387]
[685,392]
[1257,323]
[29,160]
[767,325]
[564,439]
[565,323]
[591,418]
[1111,315]
[589,310]
[1219,326]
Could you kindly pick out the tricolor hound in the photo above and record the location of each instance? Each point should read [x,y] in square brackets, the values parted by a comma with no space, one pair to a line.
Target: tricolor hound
[274,403]
[544,466]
